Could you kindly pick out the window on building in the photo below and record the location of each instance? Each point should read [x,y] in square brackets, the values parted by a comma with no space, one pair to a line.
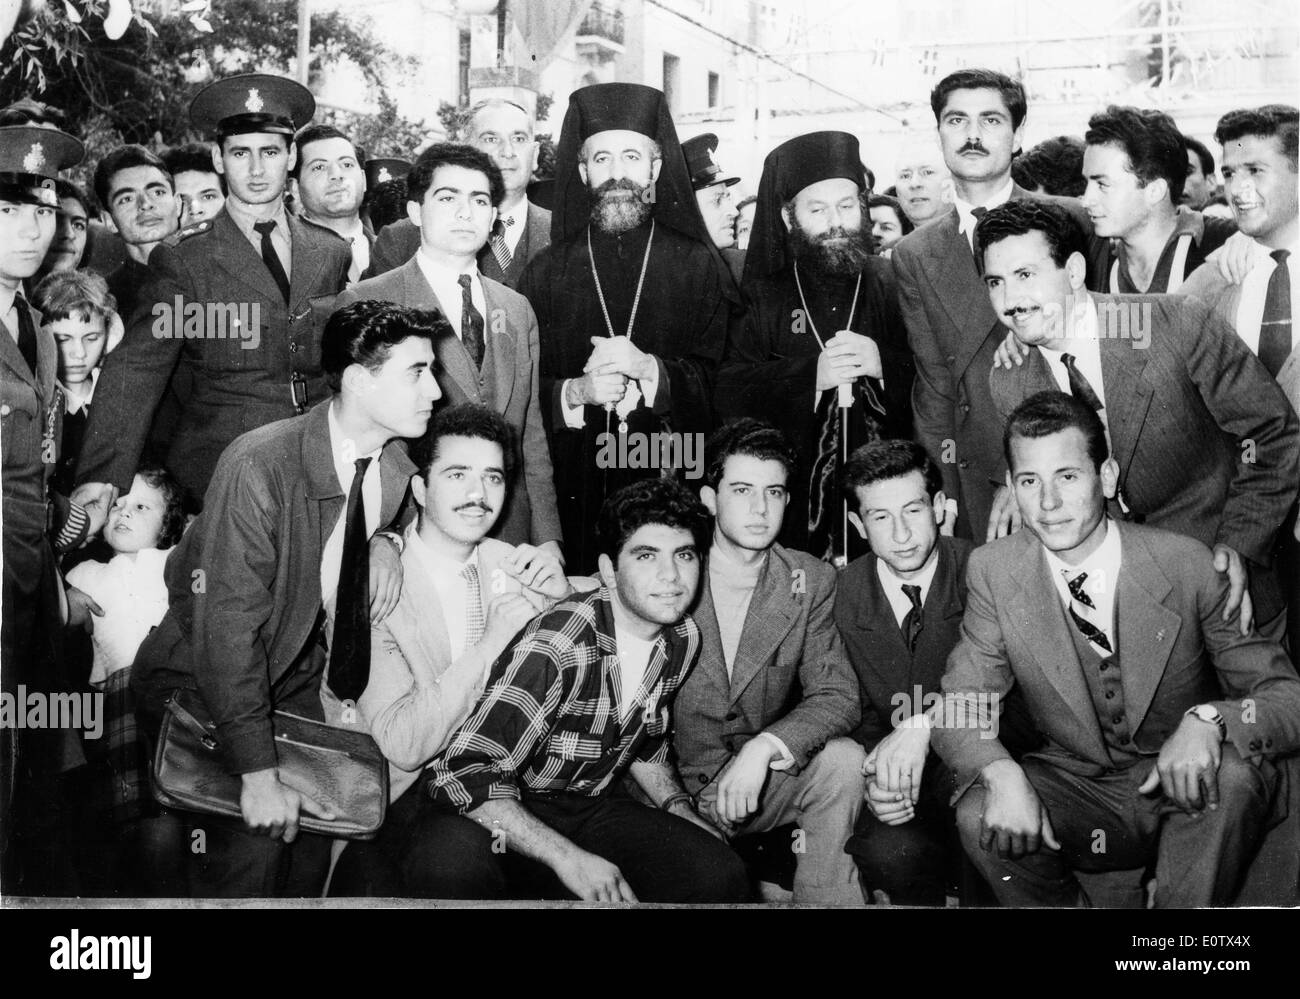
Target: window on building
[464,67]
[672,72]
[715,90]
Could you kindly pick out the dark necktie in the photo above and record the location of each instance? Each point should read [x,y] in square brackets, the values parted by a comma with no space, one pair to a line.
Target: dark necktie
[471,323]
[26,334]
[1079,387]
[271,259]
[1089,630]
[979,213]
[1275,329]
[349,669]
[501,249]
[912,623]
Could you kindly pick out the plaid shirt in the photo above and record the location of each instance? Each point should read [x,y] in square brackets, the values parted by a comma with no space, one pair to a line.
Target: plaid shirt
[548,721]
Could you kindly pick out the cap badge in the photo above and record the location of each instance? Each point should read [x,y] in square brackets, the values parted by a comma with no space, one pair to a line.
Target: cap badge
[35,158]
[384,175]
[254,104]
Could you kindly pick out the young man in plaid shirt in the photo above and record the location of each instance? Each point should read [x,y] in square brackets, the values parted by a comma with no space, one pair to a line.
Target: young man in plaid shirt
[527,798]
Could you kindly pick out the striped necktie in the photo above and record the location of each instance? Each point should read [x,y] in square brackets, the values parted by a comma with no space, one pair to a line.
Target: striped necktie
[1089,630]
[500,249]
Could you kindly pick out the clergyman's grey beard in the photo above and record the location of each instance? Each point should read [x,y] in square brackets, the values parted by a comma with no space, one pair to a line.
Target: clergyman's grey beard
[838,252]
[615,214]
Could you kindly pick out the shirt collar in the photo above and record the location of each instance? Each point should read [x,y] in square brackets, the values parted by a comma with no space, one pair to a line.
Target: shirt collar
[7,299]
[75,403]
[435,563]
[965,210]
[1102,564]
[441,272]
[889,578]
[243,218]
[342,453]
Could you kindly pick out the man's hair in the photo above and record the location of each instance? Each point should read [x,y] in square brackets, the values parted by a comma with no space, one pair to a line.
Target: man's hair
[79,294]
[365,331]
[1048,413]
[1020,217]
[173,514]
[744,203]
[316,133]
[1055,165]
[1013,94]
[1281,120]
[886,201]
[192,157]
[889,459]
[495,102]
[747,436]
[124,158]
[871,177]
[649,501]
[386,203]
[67,189]
[1152,142]
[467,420]
[1198,147]
[457,154]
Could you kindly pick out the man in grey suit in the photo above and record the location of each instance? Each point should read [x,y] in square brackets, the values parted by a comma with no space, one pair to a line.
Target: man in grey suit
[1204,440]
[1163,721]
[454,191]
[503,130]
[950,327]
[762,722]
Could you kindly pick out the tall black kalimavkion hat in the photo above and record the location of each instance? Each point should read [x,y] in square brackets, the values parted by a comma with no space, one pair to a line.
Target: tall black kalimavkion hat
[789,168]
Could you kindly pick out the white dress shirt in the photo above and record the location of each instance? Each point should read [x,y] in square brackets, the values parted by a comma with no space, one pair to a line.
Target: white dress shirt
[356,236]
[1102,567]
[966,211]
[1083,345]
[1254,289]
[452,589]
[893,584]
[345,454]
[445,282]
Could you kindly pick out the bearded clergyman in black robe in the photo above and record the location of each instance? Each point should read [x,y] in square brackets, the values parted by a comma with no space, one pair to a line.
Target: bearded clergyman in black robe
[631,308]
[822,352]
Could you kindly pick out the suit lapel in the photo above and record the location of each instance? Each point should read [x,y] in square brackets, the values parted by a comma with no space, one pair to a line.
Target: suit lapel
[242,261]
[964,299]
[876,615]
[712,662]
[503,344]
[1147,629]
[306,264]
[771,614]
[455,362]
[1128,394]
[419,593]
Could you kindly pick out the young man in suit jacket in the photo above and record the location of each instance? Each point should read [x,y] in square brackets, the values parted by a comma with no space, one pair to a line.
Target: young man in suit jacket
[1204,440]
[464,596]
[951,329]
[492,358]
[762,721]
[1163,721]
[268,563]
[503,130]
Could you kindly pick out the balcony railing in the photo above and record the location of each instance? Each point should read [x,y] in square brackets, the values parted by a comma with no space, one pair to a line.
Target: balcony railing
[602,22]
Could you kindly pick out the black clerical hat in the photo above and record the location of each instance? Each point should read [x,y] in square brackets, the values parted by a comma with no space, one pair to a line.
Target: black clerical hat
[383,170]
[31,157]
[252,102]
[701,165]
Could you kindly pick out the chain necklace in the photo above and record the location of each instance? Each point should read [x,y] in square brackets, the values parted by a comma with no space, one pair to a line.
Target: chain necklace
[636,302]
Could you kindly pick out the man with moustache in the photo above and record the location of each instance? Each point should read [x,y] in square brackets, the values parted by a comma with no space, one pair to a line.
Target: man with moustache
[330,185]
[951,328]
[823,347]
[139,198]
[1164,723]
[253,253]
[527,801]
[1204,440]
[503,130]
[632,300]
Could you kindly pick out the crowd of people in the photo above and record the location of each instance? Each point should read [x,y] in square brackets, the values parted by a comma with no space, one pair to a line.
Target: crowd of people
[921,546]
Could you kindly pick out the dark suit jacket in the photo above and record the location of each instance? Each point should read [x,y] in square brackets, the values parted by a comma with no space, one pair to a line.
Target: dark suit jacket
[1180,413]
[953,333]
[397,243]
[231,387]
[880,657]
[1174,646]
[790,676]
[508,380]
[244,583]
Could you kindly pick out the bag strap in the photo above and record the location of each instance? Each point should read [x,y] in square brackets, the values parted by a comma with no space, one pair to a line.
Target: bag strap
[196,727]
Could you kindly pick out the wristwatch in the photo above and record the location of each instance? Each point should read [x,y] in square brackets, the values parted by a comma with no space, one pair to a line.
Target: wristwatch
[1209,713]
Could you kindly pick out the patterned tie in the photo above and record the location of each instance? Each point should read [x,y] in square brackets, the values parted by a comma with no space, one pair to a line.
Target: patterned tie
[1089,630]
[912,623]
[500,249]
[471,323]
[271,259]
[26,333]
[1275,329]
[1079,386]
[474,623]
[349,669]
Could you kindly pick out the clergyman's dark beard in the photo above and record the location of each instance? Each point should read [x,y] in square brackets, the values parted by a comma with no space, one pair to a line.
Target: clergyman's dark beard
[614,214]
[837,252]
